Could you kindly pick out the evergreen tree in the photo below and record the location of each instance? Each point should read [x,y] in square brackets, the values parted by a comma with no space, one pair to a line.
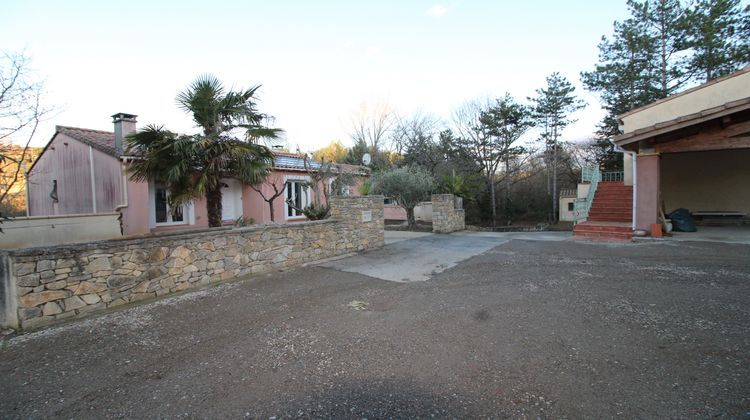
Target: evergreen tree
[640,64]
[719,36]
[489,133]
[664,24]
[552,108]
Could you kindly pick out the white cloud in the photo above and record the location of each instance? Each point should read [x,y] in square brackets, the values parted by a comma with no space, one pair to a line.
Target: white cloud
[437,10]
[373,51]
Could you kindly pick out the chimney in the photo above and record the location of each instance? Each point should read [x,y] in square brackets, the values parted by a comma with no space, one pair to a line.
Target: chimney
[124,125]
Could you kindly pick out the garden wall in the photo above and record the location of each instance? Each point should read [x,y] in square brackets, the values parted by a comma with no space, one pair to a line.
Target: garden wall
[48,284]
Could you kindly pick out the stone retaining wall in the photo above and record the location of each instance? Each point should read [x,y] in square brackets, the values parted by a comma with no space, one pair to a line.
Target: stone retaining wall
[447,213]
[54,283]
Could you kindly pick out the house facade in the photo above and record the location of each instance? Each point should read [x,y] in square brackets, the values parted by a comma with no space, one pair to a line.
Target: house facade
[83,171]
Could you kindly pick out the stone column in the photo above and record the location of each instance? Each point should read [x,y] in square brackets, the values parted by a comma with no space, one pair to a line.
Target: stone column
[447,213]
[361,220]
[8,305]
[648,188]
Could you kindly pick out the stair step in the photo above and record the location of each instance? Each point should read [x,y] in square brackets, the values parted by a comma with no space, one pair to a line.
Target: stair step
[610,209]
[604,226]
[595,235]
[605,230]
[609,219]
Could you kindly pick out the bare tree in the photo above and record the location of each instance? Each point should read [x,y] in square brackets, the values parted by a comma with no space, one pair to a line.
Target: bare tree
[370,125]
[21,111]
[489,132]
[269,199]
[415,138]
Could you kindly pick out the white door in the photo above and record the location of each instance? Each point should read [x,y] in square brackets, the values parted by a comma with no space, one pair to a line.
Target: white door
[231,200]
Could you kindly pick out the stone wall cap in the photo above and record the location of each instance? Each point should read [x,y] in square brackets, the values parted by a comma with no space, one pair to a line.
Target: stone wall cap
[156,238]
[341,197]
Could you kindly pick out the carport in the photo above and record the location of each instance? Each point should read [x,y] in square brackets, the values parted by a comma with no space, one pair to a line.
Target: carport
[692,150]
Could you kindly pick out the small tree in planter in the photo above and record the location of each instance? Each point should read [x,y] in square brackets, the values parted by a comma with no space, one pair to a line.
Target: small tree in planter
[408,186]
[326,179]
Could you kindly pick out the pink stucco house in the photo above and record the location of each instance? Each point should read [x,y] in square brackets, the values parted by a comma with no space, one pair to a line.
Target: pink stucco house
[85,171]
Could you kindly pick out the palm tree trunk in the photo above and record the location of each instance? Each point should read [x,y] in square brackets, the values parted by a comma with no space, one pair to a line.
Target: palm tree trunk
[213,206]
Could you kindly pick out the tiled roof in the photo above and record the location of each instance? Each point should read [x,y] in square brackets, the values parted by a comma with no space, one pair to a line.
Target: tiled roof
[296,162]
[103,141]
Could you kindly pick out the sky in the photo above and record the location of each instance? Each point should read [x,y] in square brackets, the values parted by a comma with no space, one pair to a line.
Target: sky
[318,61]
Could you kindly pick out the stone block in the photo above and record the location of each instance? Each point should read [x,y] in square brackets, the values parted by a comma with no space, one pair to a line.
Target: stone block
[65,263]
[44,265]
[91,298]
[98,264]
[142,287]
[38,298]
[28,280]
[87,287]
[51,308]
[28,313]
[56,285]
[118,281]
[73,303]
[36,322]
[23,269]
[117,302]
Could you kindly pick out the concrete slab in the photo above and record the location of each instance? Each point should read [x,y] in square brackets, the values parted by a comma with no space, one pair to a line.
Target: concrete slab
[393,236]
[725,234]
[417,256]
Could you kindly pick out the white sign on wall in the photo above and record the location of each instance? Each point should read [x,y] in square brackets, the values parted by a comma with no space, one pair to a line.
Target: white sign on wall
[367,215]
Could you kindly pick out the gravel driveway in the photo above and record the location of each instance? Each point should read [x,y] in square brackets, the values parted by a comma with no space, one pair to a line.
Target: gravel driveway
[526,329]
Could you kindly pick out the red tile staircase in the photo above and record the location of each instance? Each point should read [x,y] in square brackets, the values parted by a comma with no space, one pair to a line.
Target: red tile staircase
[610,216]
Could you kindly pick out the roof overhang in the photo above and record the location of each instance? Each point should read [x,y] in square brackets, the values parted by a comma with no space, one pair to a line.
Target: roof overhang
[683,122]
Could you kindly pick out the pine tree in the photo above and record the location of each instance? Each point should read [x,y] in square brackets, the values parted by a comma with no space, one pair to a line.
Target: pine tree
[664,23]
[641,63]
[552,108]
[719,36]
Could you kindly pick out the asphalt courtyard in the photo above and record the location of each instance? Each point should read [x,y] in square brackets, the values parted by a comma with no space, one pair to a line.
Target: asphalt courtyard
[459,326]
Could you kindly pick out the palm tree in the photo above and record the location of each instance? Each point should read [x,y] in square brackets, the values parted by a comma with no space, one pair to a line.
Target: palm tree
[191,166]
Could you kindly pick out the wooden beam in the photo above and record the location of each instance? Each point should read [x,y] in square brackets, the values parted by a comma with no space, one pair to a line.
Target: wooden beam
[698,144]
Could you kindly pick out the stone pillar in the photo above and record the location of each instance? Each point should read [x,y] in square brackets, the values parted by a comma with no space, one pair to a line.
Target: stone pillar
[648,188]
[362,220]
[447,213]
[8,315]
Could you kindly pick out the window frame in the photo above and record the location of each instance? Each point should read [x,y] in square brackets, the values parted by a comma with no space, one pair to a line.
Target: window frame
[186,209]
[288,180]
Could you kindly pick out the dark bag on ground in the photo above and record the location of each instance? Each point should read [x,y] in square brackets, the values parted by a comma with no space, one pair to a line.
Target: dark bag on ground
[682,221]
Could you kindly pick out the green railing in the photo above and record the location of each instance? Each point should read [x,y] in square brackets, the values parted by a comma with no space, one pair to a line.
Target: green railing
[613,176]
[593,176]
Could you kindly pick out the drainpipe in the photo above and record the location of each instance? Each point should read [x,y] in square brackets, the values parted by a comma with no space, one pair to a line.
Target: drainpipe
[93,185]
[634,156]
[123,170]
[124,205]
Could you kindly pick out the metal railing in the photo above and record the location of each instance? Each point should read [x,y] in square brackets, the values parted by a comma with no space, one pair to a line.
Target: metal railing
[593,176]
[613,176]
